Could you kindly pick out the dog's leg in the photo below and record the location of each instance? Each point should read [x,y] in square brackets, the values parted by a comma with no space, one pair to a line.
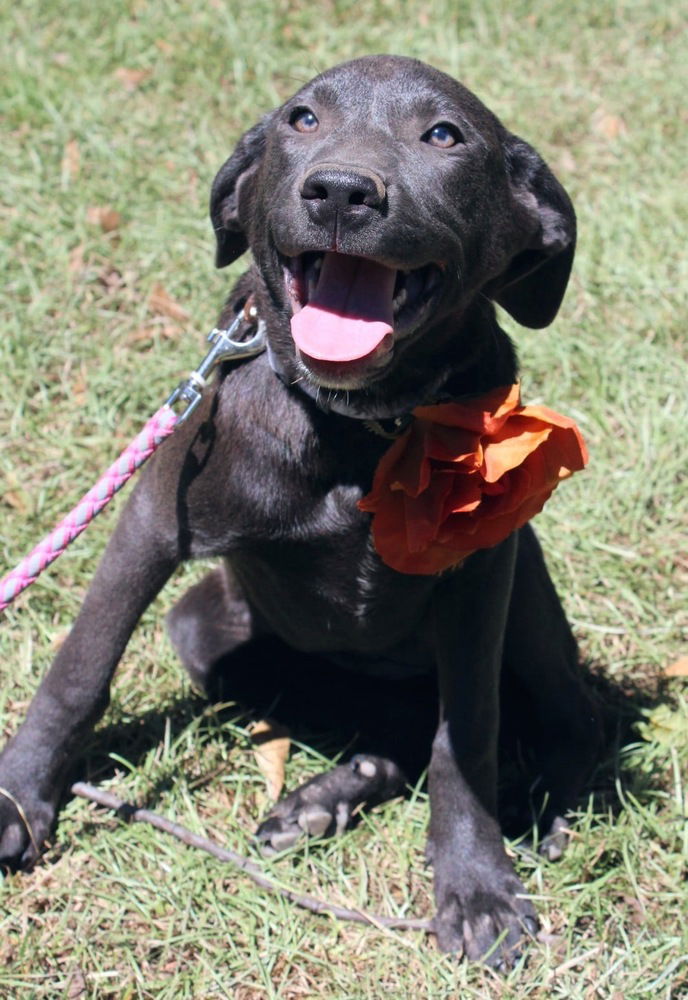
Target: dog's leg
[480,904]
[210,621]
[560,720]
[74,693]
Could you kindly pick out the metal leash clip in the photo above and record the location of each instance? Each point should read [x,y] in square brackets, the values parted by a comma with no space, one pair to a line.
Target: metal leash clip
[224,348]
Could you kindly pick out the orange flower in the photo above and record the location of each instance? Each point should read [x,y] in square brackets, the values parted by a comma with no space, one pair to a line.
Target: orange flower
[464,476]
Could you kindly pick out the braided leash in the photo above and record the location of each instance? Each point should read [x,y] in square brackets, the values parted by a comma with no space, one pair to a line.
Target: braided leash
[70,527]
[159,427]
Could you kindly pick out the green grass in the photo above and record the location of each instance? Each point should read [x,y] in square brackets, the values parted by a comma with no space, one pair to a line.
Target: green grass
[119,911]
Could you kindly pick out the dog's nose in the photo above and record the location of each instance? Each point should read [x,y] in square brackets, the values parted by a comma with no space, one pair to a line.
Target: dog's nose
[329,189]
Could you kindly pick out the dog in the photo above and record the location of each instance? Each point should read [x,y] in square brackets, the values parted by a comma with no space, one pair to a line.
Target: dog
[383,183]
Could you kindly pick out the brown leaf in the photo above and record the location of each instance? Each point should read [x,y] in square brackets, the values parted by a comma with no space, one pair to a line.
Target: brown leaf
[131,79]
[71,161]
[637,914]
[15,500]
[79,388]
[192,184]
[77,986]
[161,303]
[58,639]
[15,494]
[76,259]
[110,277]
[566,162]
[142,335]
[679,668]
[608,125]
[104,216]
[271,748]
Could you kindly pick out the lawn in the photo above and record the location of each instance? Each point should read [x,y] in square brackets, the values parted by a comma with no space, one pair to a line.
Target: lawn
[115,119]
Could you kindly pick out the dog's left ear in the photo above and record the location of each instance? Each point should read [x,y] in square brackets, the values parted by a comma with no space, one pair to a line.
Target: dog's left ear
[225,192]
[533,285]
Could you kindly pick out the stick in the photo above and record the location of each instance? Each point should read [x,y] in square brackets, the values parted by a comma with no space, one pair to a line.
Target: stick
[250,868]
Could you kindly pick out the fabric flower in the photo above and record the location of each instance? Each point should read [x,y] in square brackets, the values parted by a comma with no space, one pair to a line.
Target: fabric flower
[464,476]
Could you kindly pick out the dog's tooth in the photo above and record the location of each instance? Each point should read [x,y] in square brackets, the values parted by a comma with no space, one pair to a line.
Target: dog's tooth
[400,300]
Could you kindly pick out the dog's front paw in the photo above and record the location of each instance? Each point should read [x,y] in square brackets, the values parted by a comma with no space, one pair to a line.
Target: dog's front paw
[324,806]
[25,823]
[490,922]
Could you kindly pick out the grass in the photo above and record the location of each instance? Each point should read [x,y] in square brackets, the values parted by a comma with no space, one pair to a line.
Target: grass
[130,109]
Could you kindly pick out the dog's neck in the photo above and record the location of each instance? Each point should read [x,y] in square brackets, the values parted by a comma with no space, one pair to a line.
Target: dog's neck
[493,365]
[385,419]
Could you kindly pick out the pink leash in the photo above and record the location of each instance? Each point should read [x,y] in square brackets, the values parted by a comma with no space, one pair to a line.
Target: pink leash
[53,545]
[159,427]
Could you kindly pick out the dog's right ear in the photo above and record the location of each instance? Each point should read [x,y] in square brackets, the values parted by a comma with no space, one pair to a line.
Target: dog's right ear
[533,285]
[226,190]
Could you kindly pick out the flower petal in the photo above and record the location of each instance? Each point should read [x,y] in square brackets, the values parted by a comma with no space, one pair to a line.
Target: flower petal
[483,415]
[465,476]
[512,445]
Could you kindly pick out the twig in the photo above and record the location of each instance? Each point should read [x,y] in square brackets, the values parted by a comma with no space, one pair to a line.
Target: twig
[250,868]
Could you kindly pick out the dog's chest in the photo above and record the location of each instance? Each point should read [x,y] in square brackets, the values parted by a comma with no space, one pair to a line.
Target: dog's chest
[293,476]
[303,550]
[330,592]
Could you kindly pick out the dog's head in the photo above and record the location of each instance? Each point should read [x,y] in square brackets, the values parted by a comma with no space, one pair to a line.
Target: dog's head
[385,207]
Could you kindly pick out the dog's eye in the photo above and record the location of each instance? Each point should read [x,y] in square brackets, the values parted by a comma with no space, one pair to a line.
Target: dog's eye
[443,135]
[303,120]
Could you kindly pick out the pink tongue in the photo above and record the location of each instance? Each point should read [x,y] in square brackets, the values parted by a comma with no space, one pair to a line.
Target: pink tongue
[350,313]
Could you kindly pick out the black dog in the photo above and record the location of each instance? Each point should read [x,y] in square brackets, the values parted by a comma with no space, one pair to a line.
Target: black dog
[385,181]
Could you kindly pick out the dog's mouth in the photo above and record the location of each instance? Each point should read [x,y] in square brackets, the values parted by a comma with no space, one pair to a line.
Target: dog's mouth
[348,312]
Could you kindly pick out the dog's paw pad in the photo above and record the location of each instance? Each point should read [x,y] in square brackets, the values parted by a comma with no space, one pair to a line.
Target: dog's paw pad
[314,820]
[282,840]
[364,766]
[280,833]
[276,835]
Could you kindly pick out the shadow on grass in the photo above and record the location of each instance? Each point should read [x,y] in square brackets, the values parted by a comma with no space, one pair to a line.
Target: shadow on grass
[622,705]
[338,713]
[325,706]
